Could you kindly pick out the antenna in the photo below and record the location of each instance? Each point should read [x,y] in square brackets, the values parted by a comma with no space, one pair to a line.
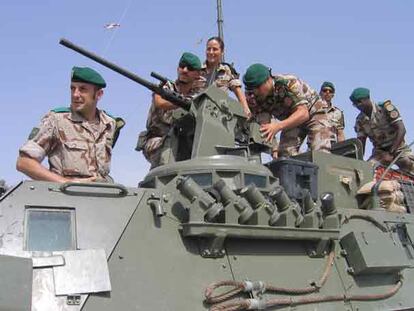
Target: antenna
[220,22]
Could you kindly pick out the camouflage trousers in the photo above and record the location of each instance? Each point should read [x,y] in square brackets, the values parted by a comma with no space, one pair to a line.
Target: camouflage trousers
[317,129]
[405,163]
[152,150]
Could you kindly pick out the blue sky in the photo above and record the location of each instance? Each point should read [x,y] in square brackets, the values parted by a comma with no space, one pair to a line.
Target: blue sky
[351,43]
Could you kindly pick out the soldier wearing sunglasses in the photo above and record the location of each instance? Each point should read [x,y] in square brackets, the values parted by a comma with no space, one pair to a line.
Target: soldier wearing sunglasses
[335,115]
[159,120]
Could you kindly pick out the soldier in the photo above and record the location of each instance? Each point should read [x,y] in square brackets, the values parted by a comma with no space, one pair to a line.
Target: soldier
[335,115]
[298,107]
[159,120]
[77,140]
[222,75]
[383,125]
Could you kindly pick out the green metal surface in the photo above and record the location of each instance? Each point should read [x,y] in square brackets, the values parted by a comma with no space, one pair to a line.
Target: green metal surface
[365,253]
[340,175]
[16,283]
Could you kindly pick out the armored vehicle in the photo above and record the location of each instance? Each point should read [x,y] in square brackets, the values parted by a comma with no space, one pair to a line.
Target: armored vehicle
[212,229]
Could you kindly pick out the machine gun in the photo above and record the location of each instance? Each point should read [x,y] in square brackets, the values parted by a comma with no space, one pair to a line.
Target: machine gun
[162,79]
[211,124]
[173,97]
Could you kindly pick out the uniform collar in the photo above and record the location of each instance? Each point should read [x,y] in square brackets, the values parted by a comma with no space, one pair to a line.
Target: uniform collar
[76,117]
[204,66]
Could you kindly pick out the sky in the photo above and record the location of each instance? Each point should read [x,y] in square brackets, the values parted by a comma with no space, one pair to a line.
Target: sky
[351,43]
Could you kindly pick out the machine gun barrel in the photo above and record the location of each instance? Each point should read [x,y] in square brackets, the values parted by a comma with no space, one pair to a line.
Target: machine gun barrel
[173,97]
[159,77]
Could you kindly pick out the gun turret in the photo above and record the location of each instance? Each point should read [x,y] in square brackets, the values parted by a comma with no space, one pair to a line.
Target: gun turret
[173,97]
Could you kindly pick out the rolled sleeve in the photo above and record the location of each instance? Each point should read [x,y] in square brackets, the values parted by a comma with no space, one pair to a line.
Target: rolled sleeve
[341,123]
[33,150]
[298,103]
[41,144]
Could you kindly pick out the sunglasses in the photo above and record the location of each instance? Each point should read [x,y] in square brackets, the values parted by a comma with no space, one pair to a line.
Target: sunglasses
[189,67]
[328,91]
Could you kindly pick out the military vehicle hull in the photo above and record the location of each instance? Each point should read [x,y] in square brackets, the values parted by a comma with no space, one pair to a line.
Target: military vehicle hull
[126,252]
[210,229]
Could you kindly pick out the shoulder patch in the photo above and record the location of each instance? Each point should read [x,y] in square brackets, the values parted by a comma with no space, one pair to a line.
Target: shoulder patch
[387,105]
[61,109]
[394,114]
[390,110]
[33,133]
[119,124]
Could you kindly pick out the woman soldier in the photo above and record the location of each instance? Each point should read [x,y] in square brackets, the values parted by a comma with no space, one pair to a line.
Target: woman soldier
[222,75]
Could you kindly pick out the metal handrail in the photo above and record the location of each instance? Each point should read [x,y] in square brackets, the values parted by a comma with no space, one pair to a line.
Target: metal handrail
[65,188]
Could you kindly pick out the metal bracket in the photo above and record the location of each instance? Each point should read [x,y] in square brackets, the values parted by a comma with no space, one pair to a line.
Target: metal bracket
[73,300]
[346,181]
[155,202]
[359,175]
[213,247]
[318,249]
[48,261]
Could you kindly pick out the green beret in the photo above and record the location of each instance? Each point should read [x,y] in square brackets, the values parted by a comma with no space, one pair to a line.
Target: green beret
[88,75]
[191,61]
[359,93]
[328,84]
[256,75]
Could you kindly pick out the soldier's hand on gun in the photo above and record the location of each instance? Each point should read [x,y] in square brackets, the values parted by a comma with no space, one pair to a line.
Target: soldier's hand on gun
[269,130]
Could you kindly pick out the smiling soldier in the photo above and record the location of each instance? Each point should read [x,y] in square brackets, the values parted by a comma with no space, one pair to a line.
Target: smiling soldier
[77,140]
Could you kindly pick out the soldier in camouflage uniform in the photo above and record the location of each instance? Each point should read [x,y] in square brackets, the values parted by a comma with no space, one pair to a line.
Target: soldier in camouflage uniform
[159,120]
[335,115]
[222,75]
[78,140]
[383,125]
[298,107]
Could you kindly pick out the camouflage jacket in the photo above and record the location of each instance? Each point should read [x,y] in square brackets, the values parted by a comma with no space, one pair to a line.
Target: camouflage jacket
[379,126]
[159,121]
[226,77]
[336,117]
[289,92]
[74,146]
[337,120]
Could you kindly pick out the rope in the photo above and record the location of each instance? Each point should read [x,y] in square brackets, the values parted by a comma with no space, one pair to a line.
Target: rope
[255,304]
[238,287]
[248,286]
[367,218]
